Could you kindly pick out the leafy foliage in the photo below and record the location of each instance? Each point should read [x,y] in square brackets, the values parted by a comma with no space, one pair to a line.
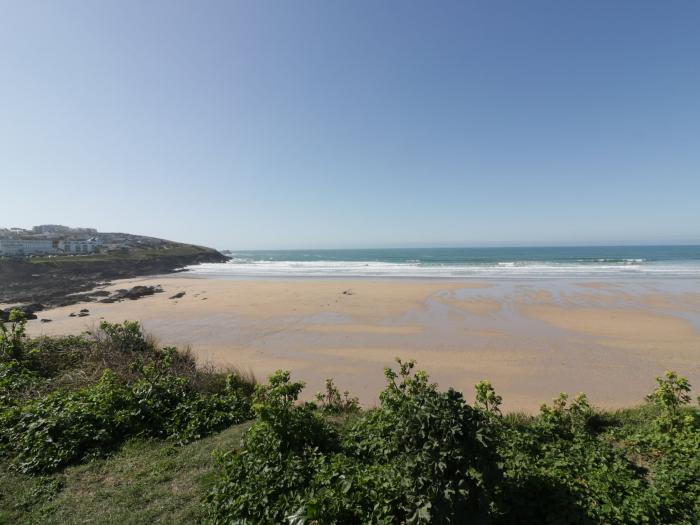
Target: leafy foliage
[425,456]
[125,337]
[61,426]
[331,402]
[422,457]
[487,399]
[672,393]
[12,337]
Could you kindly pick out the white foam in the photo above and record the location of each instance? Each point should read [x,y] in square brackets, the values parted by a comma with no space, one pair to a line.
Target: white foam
[506,269]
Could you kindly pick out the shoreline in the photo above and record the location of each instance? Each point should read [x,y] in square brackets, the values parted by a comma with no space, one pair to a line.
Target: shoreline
[531,339]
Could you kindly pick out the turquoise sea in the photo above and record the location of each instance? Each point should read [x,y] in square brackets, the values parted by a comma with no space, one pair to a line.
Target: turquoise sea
[511,262]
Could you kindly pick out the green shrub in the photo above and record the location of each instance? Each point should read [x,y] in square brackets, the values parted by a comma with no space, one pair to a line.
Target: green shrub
[45,431]
[125,337]
[440,444]
[67,427]
[487,399]
[422,457]
[61,428]
[563,468]
[12,337]
[51,357]
[331,402]
[201,415]
[425,456]
[266,482]
[16,382]
[671,395]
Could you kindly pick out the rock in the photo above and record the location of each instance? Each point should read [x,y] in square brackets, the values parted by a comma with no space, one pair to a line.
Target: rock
[133,293]
[46,320]
[178,295]
[34,307]
[28,311]
[23,282]
[83,314]
[84,311]
[139,291]
[72,314]
[117,295]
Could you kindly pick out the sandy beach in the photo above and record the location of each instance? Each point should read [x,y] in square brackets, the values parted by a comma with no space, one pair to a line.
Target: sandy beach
[531,339]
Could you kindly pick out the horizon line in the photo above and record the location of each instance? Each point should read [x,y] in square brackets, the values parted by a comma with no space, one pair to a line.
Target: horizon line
[618,244]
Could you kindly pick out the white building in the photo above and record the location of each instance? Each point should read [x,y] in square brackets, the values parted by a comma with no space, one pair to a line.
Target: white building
[26,246]
[86,246]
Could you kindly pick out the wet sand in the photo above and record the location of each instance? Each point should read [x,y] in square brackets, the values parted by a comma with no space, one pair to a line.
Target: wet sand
[531,339]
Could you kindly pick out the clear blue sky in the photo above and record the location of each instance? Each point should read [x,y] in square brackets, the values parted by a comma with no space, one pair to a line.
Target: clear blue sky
[278,124]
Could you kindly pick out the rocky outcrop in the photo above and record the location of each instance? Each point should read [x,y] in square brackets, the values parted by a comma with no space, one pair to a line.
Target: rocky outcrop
[29,311]
[61,281]
[132,293]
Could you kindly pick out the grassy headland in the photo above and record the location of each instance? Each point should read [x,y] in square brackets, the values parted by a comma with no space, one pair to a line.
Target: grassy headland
[108,427]
[55,280]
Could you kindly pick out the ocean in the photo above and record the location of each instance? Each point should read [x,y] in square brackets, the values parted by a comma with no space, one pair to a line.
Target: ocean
[514,262]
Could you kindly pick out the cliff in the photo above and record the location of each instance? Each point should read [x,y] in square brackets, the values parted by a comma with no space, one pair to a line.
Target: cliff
[53,281]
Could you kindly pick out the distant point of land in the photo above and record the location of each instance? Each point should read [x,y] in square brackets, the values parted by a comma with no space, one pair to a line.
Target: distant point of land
[54,265]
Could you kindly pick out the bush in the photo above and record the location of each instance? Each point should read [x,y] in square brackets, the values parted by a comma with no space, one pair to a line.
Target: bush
[61,428]
[12,338]
[422,457]
[331,402]
[125,337]
[440,445]
[559,469]
[266,482]
[425,456]
[201,415]
[43,432]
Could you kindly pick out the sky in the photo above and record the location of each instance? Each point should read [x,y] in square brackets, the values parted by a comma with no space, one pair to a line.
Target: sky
[357,123]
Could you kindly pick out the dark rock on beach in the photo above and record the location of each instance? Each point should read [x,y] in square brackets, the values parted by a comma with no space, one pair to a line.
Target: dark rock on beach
[34,307]
[132,293]
[27,309]
[5,314]
[178,295]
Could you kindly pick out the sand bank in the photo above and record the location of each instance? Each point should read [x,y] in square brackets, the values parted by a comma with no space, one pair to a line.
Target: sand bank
[532,340]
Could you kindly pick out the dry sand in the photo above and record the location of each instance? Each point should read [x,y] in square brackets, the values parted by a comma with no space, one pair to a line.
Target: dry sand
[532,340]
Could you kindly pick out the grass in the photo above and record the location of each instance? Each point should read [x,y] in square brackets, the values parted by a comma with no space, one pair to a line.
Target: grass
[144,482]
[174,250]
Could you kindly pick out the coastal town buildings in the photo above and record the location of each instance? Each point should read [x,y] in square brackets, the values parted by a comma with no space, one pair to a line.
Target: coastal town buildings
[58,240]
[79,246]
[10,247]
[48,239]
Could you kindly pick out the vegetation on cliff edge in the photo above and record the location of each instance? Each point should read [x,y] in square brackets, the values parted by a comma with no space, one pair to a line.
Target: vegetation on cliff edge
[110,427]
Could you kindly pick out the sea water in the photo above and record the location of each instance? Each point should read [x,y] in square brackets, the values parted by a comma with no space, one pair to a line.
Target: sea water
[512,262]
